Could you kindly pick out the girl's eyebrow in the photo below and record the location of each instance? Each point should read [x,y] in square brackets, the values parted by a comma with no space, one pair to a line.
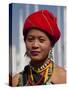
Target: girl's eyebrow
[41,37]
[31,36]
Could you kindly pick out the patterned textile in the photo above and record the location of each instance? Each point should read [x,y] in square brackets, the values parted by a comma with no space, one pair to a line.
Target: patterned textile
[30,77]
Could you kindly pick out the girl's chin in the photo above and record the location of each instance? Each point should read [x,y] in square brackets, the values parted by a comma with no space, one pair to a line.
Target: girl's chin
[35,58]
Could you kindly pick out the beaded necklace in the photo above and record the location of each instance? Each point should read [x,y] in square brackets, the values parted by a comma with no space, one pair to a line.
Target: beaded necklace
[46,71]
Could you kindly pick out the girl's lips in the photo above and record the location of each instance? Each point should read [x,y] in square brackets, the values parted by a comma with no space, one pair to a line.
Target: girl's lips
[34,53]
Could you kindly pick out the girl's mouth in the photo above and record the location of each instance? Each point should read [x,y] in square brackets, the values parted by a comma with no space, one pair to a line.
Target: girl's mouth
[34,53]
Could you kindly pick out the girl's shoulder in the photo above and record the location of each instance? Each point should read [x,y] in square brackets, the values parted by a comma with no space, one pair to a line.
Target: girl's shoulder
[17,79]
[59,75]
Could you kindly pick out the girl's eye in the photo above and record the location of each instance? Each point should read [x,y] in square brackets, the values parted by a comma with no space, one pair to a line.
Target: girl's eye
[42,40]
[30,39]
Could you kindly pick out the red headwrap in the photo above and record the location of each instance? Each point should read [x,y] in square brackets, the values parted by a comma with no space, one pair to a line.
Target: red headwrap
[45,21]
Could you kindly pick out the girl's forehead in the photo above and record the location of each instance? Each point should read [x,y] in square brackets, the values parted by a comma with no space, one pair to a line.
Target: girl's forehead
[36,32]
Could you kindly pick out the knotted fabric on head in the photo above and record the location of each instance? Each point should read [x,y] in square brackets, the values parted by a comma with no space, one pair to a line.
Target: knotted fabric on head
[44,21]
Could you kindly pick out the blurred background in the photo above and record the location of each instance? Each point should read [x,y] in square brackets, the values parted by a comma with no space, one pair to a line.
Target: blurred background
[20,12]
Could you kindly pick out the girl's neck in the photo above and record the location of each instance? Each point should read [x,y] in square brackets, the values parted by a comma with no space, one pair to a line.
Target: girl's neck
[38,64]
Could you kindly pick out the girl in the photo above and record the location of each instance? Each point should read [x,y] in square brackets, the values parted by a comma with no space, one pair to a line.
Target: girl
[40,35]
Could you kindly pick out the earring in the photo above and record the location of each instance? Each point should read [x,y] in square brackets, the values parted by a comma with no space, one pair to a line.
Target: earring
[26,54]
[50,54]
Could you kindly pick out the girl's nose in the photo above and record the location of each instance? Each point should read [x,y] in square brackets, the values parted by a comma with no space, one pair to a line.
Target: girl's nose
[35,44]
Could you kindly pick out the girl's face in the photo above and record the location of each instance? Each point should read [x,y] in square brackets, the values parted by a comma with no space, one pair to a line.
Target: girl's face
[38,45]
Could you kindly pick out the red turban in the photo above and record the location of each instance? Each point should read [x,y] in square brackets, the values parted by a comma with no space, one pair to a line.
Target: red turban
[45,21]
